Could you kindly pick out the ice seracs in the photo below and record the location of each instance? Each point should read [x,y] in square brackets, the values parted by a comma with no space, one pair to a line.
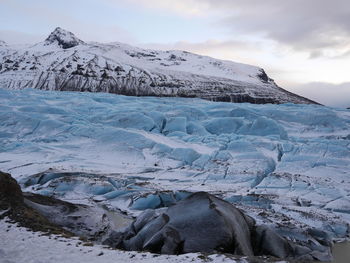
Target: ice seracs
[286,165]
[291,158]
[64,62]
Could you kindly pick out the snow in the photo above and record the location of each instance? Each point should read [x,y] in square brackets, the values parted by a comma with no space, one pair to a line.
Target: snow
[28,247]
[288,160]
[64,62]
[60,36]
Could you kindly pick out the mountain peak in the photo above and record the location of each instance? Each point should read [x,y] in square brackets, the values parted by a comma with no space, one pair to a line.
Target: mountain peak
[63,38]
[2,43]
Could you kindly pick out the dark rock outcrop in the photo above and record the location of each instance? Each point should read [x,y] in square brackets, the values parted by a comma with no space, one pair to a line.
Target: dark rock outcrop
[13,207]
[48,214]
[63,38]
[10,192]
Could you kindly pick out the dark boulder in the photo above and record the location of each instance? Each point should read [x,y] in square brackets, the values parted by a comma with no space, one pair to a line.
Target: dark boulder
[268,242]
[204,223]
[199,223]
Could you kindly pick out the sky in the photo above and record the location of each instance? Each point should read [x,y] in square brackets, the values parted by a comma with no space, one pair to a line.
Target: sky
[304,45]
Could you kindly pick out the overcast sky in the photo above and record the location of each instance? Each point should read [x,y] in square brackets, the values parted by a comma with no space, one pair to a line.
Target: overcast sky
[303,44]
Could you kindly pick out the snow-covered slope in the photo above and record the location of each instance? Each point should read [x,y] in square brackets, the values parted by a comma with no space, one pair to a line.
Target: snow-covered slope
[64,62]
[19,245]
[286,165]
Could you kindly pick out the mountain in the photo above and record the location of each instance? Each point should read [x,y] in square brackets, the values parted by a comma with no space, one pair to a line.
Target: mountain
[66,63]
[63,39]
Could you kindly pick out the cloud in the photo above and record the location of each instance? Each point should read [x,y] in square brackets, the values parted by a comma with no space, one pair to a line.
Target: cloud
[311,25]
[50,17]
[319,27]
[14,37]
[314,26]
[335,95]
[179,7]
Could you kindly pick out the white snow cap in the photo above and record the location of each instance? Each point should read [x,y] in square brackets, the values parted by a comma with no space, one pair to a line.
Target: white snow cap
[63,38]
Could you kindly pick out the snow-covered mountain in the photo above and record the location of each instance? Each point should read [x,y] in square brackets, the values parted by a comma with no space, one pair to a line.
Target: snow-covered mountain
[64,62]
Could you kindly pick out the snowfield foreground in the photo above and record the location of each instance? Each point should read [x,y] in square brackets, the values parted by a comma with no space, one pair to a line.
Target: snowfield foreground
[19,245]
[287,166]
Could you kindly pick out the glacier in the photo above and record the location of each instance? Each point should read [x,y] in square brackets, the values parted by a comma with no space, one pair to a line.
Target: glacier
[286,165]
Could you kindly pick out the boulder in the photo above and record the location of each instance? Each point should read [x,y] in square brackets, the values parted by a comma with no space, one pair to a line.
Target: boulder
[204,223]
[268,242]
[199,223]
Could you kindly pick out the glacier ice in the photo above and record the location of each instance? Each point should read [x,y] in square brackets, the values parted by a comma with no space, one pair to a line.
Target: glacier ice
[292,161]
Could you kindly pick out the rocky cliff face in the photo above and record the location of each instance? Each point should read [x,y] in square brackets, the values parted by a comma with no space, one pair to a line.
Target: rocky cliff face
[64,62]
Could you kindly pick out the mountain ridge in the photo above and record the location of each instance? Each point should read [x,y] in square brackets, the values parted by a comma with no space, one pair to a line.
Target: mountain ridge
[64,62]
